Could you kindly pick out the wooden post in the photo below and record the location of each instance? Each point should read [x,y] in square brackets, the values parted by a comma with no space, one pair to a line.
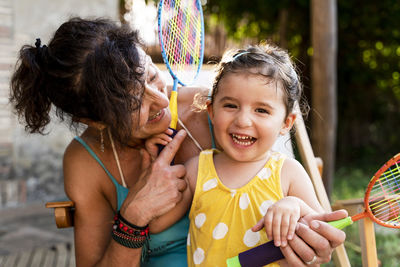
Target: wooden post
[324,76]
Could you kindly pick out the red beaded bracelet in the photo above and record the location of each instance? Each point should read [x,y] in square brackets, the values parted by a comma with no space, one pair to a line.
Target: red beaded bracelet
[128,234]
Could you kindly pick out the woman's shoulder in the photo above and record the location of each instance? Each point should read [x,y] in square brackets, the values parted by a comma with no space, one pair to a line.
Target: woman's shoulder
[76,163]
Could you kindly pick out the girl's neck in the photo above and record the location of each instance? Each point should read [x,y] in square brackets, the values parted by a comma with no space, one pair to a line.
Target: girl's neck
[235,174]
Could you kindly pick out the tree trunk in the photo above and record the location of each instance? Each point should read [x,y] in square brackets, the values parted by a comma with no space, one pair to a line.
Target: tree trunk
[323,74]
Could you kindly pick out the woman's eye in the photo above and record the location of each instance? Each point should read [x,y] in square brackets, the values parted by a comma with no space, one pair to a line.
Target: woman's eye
[152,74]
[152,77]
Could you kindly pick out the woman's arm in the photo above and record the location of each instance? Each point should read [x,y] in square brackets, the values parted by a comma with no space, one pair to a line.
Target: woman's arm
[157,191]
[94,212]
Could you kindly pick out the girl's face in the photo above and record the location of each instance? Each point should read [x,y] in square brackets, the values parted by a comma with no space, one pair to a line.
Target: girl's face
[154,113]
[248,115]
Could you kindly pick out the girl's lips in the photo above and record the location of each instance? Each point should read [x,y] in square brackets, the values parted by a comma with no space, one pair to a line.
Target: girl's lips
[243,140]
[156,117]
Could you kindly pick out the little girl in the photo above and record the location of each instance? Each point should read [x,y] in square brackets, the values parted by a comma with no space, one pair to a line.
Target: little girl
[244,186]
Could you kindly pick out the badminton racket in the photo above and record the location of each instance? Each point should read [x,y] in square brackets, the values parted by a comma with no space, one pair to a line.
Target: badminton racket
[181,36]
[381,205]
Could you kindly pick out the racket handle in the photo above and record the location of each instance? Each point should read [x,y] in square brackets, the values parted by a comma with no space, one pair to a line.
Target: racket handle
[161,147]
[340,224]
[173,105]
[268,252]
[258,256]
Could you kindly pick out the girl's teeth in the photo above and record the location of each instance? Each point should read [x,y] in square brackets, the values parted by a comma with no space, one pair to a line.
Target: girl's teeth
[243,140]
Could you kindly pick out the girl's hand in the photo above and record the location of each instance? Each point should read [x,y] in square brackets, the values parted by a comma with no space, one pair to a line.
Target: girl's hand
[158,139]
[281,219]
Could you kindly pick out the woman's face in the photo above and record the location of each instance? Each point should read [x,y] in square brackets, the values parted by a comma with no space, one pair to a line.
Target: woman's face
[154,116]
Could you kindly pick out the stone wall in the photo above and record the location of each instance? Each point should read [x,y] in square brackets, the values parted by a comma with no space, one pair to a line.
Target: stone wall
[30,165]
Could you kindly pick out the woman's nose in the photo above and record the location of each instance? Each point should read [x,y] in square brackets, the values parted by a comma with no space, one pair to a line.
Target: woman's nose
[156,97]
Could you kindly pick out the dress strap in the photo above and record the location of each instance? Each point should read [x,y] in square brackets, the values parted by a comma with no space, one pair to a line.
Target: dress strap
[190,135]
[91,152]
[210,126]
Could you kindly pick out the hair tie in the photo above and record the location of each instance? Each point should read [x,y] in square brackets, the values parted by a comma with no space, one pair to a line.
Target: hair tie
[38,43]
[240,54]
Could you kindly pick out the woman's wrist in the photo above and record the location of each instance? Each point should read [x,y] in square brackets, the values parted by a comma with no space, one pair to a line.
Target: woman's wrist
[136,214]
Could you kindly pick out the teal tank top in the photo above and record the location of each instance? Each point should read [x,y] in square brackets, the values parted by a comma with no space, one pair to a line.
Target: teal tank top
[167,248]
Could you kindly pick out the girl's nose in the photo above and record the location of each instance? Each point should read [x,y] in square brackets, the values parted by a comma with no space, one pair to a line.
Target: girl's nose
[243,119]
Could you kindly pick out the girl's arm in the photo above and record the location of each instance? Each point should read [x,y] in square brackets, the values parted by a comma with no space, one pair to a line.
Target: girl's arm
[296,182]
[165,221]
[300,200]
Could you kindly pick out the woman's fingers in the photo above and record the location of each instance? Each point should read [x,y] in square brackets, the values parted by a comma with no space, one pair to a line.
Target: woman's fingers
[333,235]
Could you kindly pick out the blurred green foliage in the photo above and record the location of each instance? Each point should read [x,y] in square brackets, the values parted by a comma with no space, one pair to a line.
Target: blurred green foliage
[368,64]
[368,86]
[352,183]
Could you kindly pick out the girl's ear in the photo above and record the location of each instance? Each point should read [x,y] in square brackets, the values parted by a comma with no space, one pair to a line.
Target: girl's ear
[288,124]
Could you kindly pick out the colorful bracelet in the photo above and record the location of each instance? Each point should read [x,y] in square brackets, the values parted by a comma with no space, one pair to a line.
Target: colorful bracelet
[128,234]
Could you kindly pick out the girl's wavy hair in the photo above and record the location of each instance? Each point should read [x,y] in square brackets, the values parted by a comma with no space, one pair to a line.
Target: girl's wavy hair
[266,60]
[91,69]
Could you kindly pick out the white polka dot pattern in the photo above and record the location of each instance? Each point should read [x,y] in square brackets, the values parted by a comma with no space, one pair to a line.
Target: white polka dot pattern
[264,174]
[244,201]
[210,184]
[264,206]
[233,192]
[220,231]
[200,219]
[198,256]
[251,238]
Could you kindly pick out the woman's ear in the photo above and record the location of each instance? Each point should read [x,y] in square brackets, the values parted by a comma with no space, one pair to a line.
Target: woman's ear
[95,124]
[288,124]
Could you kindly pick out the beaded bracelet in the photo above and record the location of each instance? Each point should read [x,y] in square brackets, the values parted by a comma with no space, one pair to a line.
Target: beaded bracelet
[128,234]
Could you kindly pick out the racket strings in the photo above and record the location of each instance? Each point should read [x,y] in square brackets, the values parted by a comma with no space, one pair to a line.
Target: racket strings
[385,195]
[185,51]
[182,34]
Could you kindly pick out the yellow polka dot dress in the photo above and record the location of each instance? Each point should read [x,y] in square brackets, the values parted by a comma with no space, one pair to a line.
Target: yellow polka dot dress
[221,218]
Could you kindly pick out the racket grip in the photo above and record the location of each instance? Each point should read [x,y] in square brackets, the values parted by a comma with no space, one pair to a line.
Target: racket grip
[268,252]
[161,147]
[340,224]
[258,256]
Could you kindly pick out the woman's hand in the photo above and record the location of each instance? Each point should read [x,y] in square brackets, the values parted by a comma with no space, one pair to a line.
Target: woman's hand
[159,188]
[315,240]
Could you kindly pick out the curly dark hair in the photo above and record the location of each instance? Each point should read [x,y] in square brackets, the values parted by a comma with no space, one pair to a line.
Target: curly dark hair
[267,60]
[90,69]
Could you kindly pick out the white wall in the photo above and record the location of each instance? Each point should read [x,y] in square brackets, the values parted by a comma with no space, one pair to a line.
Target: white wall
[37,159]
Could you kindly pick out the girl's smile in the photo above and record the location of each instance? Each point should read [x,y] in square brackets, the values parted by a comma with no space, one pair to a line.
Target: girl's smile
[248,114]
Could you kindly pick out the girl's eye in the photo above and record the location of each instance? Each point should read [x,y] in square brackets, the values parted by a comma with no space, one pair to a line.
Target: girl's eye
[230,106]
[262,110]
